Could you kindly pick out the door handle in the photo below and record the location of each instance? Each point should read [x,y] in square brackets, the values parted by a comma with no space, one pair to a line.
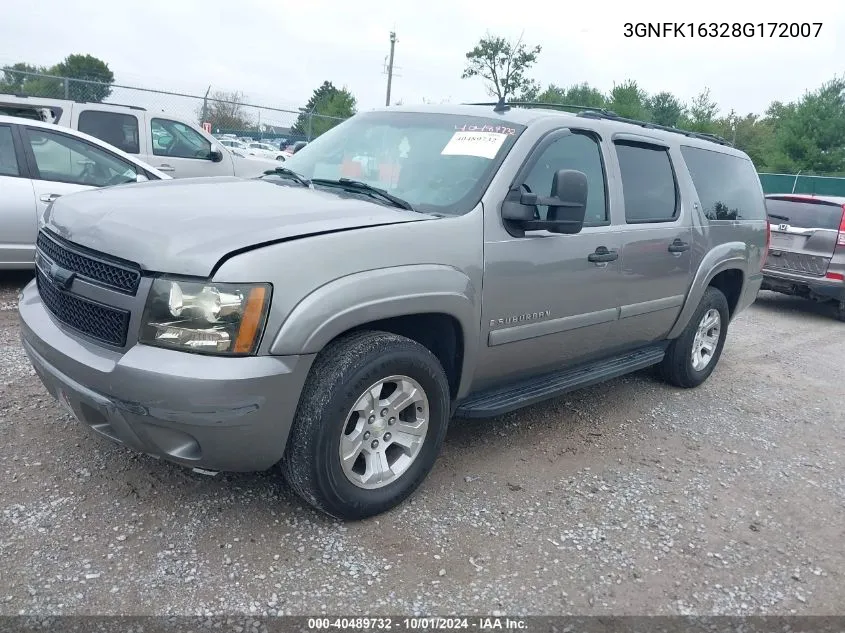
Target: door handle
[49,197]
[678,246]
[166,168]
[602,255]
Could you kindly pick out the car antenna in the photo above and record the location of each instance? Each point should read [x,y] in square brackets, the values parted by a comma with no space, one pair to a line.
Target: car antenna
[501,106]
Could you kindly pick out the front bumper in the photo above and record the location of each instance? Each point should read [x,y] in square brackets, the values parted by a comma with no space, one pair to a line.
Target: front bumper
[223,414]
[803,285]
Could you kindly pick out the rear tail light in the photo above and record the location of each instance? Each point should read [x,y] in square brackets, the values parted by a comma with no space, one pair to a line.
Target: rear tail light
[840,243]
[769,242]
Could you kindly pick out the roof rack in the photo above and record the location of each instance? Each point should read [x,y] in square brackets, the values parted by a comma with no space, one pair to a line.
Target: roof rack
[653,126]
[120,105]
[589,112]
[501,106]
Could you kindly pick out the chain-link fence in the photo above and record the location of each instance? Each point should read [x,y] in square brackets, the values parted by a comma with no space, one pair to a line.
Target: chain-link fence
[219,111]
[804,184]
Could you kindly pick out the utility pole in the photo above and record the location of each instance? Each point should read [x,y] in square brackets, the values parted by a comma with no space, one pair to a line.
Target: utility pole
[205,106]
[390,66]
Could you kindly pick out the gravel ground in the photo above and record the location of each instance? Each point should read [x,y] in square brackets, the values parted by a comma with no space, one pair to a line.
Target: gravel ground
[627,498]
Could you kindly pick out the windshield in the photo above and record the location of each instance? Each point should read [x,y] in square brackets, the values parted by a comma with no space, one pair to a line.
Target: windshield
[440,163]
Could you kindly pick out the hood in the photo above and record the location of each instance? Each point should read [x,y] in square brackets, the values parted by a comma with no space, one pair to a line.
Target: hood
[186,226]
[249,166]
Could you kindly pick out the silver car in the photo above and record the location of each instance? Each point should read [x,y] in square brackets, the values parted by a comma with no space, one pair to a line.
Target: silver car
[40,162]
[408,265]
[807,252]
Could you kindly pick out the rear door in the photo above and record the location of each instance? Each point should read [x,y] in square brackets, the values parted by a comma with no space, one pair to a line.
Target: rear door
[17,203]
[657,240]
[804,233]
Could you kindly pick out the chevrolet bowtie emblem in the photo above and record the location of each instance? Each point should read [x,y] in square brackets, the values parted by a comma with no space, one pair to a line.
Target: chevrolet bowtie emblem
[62,277]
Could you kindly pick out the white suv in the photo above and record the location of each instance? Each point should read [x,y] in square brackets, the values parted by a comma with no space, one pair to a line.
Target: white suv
[167,142]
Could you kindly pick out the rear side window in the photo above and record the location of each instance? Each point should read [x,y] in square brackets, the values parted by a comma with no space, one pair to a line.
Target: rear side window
[728,186]
[819,214]
[8,159]
[648,183]
[115,128]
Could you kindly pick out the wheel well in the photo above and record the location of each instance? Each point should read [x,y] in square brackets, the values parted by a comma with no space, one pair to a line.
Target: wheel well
[730,283]
[440,333]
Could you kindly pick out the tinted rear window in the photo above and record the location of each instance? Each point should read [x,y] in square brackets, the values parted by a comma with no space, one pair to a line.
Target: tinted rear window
[805,215]
[115,128]
[728,186]
[648,183]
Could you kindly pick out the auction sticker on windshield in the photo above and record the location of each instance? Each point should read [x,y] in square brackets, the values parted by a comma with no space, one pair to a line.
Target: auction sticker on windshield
[481,144]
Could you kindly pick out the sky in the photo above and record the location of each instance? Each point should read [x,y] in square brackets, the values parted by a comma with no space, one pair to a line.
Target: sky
[277,52]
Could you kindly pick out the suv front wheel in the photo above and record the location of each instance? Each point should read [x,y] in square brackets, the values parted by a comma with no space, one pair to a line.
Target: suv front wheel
[691,357]
[369,426]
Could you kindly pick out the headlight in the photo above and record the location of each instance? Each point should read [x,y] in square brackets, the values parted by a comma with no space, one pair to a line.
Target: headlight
[213,318]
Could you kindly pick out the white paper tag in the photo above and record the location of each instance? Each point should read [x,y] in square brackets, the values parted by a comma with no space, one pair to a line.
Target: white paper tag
[481,144]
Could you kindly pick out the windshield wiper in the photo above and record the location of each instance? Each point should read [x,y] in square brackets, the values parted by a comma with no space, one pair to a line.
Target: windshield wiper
[287,171]
[358,186]
[778,217]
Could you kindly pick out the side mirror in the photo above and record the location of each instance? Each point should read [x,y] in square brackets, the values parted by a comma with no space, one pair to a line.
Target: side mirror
[567,206]
[141,178]
[215,155]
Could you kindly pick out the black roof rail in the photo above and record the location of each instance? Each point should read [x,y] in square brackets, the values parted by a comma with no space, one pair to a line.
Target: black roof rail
[654,126]
[539,104]
[561,106]
[119,105]
[589,112]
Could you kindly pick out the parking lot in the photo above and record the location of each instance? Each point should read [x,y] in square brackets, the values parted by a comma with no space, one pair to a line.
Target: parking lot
[627,498]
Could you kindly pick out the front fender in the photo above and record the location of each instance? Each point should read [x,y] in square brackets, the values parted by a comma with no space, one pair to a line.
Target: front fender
[726,256]
[363,297]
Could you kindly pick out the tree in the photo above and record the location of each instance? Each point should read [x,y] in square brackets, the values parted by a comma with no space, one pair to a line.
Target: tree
[665,109]
[334,104]
[701,114]
[750,133]
[585,95]
[810,134]
[17,76]
[530,91]
[502,64]
[225,111]
[88,68]
[23,78]
[629,100]
[40,81]
[577,94]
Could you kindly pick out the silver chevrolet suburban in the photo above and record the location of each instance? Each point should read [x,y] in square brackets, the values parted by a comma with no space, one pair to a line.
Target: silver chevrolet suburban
[410,265]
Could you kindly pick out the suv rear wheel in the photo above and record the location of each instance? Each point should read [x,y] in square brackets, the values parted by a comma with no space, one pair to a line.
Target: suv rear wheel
[369,426]
[692,356]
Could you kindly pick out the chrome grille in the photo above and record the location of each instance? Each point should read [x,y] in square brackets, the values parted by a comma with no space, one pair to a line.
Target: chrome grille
[98,321]
[97,268]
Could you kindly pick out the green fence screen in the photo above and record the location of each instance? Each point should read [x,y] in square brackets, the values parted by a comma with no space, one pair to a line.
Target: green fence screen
[789,183]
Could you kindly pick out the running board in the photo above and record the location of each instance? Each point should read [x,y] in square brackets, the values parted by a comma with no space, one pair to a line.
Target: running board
[489,404]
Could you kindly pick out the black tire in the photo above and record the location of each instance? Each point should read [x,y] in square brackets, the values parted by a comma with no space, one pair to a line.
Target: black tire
[340,374]
[677,367]
[840,310]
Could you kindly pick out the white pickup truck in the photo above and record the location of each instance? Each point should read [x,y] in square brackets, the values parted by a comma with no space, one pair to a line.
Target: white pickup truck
[169,143]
